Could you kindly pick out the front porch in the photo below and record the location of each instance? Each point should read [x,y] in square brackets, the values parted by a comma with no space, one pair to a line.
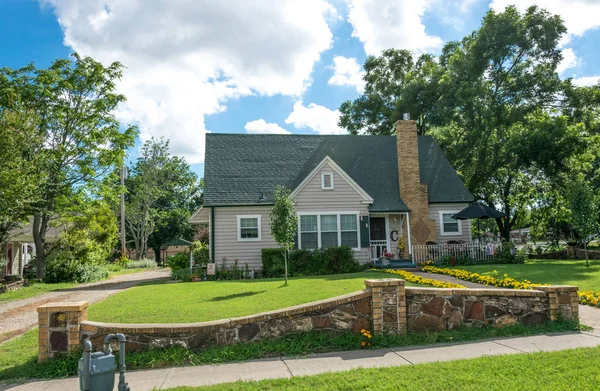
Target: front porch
[387,237]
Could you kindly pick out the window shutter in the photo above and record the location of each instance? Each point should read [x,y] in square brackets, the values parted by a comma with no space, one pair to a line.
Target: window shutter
[364,232]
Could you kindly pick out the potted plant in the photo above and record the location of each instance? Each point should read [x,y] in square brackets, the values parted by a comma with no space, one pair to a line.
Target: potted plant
[385,258]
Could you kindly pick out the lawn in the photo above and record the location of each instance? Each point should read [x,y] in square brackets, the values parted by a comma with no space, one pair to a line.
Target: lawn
[40,288]
[546,271]
[564,370]
[204,301]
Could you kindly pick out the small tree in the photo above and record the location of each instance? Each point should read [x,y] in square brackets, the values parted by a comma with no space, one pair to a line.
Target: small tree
[584,212]
[284,223]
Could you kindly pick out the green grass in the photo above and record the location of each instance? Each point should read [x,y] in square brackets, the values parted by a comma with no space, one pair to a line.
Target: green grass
[545,271]
[565,370]
[18,357]
[204,301]
[39,288]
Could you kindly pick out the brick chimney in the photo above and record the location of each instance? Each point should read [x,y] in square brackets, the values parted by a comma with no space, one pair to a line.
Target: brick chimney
[412,191]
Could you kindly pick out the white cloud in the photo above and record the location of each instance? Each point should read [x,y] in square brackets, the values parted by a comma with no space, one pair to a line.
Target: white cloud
[347,72]
[186,58]
[579,15]
[586,81]
[260,126]
[316,117]
[383,24]
[569,60]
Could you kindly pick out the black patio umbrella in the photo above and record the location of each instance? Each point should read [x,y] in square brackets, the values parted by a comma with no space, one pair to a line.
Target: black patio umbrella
[479,211]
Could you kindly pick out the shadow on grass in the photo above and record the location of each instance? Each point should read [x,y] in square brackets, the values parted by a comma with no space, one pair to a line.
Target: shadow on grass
[116,285]
[236,295]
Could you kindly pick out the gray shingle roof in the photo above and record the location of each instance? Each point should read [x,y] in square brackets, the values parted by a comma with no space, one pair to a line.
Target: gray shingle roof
[239,168]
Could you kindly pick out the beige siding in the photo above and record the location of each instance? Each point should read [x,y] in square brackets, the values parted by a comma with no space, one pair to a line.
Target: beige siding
[434,213]
[226,236]
[343,198]
[200,216]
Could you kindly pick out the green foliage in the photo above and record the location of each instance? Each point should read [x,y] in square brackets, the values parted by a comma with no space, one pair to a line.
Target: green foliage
[69,270]
[460,259]
[284,223]
[201,253]
[162,191]
[80,140]
[333,260]
[490,101]
[509,254]
[273,262]
[141,264]
[584,211]
[179,261]
[181,275]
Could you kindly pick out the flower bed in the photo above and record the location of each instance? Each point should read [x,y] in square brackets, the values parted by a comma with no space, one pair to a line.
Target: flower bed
[408,276]
[505,282]
[591,298]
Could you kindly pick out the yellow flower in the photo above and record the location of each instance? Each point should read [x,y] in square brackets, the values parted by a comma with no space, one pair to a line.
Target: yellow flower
[362,343]
[362,331]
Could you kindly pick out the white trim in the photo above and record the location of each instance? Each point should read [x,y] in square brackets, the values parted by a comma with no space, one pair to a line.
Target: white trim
[342,173]
[387,233]
[442,231]
[323,175]
[339,226]
[239,228]
[408,234]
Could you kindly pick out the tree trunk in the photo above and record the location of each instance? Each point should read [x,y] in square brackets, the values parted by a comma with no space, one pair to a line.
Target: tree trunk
[40,226]
[285,260]
[587,261]
[157,255]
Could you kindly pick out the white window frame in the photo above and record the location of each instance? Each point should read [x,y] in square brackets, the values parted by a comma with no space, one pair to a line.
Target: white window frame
[323,175]
[442,231]
[239,228]
[309,232]
[339,231]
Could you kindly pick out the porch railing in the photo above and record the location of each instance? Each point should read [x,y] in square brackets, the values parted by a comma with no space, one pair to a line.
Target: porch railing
[437,252]
[378,247]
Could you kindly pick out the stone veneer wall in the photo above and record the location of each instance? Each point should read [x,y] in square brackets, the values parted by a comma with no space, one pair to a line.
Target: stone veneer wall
[386,306]
[350,312]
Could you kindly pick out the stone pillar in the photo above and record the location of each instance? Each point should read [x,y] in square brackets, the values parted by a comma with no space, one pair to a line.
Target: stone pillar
[58,328]
[388,305]
[563,301]
[412,191]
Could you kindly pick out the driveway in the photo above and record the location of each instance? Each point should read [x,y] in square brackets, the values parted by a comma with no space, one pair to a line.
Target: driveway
[16,317]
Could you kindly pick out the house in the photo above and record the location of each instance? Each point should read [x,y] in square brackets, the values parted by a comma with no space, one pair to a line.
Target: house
[372,193]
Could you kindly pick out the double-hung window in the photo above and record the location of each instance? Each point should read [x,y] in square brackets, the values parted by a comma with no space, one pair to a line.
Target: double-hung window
[248,228]
[309,233]
[328,230]
[448,225]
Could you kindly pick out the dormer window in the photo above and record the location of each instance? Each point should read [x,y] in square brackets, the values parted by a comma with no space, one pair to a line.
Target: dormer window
[327,180]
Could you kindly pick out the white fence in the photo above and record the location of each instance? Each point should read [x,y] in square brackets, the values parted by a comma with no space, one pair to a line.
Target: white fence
[436,252]
[378,247]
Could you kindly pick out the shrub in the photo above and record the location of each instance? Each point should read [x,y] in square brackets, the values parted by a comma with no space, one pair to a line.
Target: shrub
[181,275]
[460,259]
[509,254]
[179,261]
[141,264]
[201,254]
[332,260]
[273,262]
[68,270]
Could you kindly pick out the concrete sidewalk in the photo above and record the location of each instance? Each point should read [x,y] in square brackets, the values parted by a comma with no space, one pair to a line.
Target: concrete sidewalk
[161,379]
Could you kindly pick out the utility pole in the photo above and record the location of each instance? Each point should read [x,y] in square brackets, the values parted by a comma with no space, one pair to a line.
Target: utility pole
[123,243]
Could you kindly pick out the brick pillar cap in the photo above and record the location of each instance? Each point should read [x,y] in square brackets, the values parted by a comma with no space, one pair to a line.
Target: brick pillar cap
[64,306]
[557,288]
[385,282]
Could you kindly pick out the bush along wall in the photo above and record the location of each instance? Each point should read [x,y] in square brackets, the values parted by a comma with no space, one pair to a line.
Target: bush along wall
[333,260]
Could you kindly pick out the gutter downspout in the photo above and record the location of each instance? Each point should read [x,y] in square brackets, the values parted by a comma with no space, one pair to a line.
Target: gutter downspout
[212,233]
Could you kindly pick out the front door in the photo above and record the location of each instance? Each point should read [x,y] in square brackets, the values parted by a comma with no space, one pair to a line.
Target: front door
[377,228]
[378,236]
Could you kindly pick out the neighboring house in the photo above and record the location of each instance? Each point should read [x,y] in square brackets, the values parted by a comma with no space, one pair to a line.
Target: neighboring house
[368,192]
[20,248]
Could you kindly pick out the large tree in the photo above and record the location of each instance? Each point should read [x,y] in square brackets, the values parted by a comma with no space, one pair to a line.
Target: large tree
[81,140]
[162,191]
[495,105]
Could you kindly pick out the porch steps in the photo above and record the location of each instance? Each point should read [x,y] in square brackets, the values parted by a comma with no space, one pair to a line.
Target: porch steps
[397,264]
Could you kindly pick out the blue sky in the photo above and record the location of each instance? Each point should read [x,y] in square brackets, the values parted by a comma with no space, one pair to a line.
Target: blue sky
[258,67]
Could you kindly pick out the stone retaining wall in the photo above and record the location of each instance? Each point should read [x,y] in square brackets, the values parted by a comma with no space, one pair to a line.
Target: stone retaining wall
[351,312]
[386,306]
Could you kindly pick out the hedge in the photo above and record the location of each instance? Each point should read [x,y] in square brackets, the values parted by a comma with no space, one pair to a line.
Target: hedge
[332,260]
